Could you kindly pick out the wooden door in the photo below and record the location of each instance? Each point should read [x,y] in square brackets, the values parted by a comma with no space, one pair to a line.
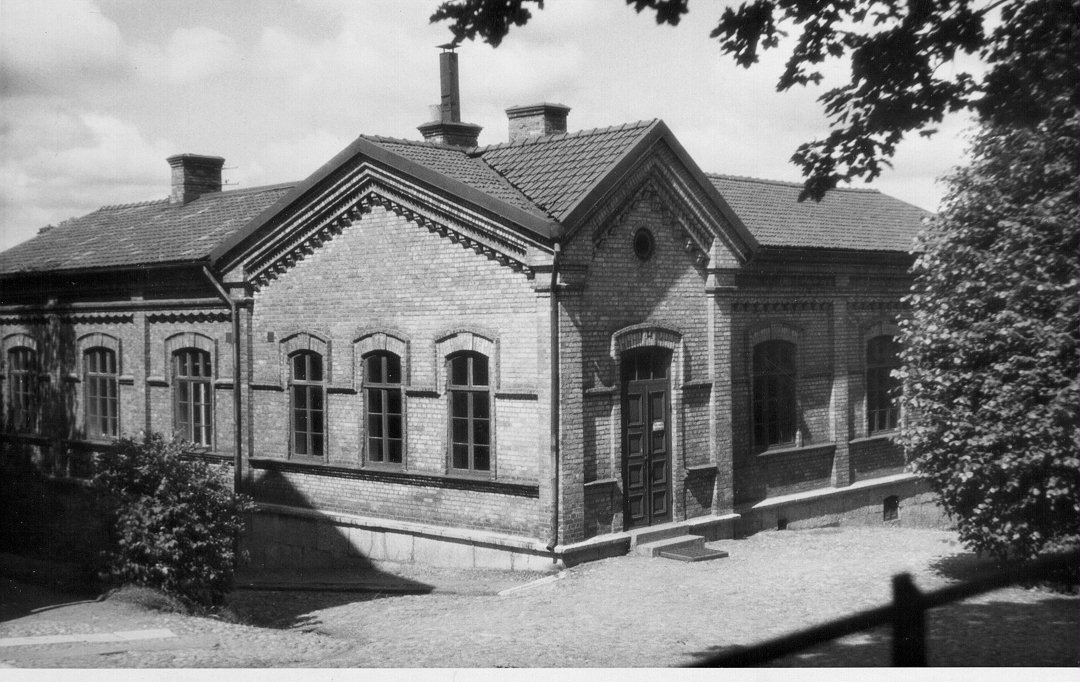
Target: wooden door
[646,438]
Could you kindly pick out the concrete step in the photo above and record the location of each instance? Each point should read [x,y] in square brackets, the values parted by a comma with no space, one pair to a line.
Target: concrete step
[694,553]
[655,547]
[659,532]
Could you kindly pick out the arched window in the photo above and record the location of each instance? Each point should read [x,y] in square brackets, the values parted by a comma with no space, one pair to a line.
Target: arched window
[470,412]
[193,401]
[774,406]
[101,393]
[882,409]
[23,388]
[383,404]
[308,404]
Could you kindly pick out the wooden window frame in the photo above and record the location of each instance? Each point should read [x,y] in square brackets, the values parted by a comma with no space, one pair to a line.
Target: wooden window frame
[882,408]
[101,393]
[774,394]
[196,386]
[473,394]
[24,395]
[379,448]
[307,443]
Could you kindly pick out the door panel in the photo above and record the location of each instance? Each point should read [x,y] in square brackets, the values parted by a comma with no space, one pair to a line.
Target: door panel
[646,442]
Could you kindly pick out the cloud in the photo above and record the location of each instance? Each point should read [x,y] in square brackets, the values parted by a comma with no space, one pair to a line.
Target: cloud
[52,46]
[68,163]
[190,56]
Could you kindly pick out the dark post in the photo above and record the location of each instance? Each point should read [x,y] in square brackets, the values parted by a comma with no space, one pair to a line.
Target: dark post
[909,623]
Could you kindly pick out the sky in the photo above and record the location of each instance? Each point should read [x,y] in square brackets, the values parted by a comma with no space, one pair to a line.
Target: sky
[95,94]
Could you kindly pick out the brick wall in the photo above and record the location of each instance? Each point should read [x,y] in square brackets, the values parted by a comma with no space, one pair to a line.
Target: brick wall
[384,274]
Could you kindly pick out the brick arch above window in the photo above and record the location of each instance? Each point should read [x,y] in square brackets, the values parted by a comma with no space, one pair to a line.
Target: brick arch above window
[880,328]
[305,341]
[371,341]
[774,331]
[19,340]
[191,340]
[97,340]
[471,340]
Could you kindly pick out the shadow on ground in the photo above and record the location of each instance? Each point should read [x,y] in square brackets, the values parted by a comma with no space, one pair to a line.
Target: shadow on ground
[1040,632]
[18,598]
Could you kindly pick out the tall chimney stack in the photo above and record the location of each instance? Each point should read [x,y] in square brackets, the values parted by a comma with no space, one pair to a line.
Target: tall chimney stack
[448,128]
[194,175]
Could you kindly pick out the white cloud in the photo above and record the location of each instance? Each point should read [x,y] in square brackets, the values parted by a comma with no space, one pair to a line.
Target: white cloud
[191,55]
[56,45]
[87,160]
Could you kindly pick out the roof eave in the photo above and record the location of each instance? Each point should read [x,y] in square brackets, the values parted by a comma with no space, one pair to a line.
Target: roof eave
[107,269]
[534,225]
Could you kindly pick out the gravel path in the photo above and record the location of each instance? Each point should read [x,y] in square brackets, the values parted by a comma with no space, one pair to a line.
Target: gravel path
[624,612]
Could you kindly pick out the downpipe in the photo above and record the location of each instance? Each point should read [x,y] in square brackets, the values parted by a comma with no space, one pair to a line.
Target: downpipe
[234,314]
[553,534]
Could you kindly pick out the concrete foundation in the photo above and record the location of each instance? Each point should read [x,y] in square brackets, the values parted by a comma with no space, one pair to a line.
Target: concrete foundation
[290,537]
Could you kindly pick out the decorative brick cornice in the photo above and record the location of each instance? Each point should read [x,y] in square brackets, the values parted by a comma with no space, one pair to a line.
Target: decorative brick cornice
[772,305]
[877,305]
[189,317]
[325,217]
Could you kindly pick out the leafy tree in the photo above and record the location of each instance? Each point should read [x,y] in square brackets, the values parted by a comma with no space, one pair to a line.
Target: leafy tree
[991,348]
[173,521]
[896,49]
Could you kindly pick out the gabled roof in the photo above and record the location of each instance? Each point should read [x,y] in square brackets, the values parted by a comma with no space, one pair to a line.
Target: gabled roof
[557,171]
[849,219]
[544,186]
[150,233]
[455,163]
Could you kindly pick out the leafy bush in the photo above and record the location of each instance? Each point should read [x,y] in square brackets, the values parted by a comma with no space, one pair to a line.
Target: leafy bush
[991,348]
[173,521]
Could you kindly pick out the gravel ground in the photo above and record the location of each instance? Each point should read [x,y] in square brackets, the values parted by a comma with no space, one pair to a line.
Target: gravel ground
[624,612]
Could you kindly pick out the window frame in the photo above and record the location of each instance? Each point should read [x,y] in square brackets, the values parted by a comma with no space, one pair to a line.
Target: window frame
[470,391]
[101,369]
[309,388]
[23,391]
[881,404]
[184,425]
[776,385]
[385,390]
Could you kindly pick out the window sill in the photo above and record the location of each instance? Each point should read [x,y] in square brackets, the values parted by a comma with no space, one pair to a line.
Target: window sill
[792,449]
[702,469]
[876,437]
[601,482]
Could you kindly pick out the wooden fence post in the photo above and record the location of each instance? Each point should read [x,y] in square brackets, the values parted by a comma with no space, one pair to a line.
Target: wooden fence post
[909,623]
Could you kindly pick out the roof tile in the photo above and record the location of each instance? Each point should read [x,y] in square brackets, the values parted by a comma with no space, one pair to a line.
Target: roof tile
[856,219]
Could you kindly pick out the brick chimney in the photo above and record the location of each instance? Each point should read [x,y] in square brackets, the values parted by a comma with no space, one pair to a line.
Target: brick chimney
[447,128]
[194,175]
[534,120]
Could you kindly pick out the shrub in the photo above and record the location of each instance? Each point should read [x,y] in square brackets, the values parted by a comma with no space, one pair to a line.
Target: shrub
[173,521]
[991,364]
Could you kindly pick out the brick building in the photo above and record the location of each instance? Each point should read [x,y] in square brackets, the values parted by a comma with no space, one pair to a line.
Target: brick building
[489,356]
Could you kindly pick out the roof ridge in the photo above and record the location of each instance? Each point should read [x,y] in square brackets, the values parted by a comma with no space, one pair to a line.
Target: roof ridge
[417,143]
[478,151]
[787,183]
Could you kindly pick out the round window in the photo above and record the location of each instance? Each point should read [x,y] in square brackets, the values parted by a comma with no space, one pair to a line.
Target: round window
[644,244]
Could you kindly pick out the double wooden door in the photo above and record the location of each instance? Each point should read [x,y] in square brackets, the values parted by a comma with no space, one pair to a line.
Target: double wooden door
[646,409]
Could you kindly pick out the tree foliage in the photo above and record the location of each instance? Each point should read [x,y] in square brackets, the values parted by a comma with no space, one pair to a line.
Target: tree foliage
[173,521]
[991,347]
[896,48]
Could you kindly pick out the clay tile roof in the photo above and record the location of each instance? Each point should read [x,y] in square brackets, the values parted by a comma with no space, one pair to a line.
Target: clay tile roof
[855,219]
[455,163]
[149,233]
[557,170]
